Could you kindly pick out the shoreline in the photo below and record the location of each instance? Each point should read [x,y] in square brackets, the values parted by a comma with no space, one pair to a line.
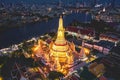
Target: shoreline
[17,34]
[18,25]
[11,26]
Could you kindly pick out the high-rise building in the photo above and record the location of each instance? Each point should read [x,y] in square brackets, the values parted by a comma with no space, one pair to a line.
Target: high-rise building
[112,3]
[93,3]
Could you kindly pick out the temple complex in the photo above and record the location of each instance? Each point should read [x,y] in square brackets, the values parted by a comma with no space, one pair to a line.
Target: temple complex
[59,55]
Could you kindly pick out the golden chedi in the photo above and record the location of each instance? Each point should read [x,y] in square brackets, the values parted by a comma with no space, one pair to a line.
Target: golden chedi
[37,49]
[61,51]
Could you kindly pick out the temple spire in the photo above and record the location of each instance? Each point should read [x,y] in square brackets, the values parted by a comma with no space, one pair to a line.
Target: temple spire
[60,34]
[61,51]
[60,24]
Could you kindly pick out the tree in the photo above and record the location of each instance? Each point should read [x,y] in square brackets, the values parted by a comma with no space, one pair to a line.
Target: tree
[55,75]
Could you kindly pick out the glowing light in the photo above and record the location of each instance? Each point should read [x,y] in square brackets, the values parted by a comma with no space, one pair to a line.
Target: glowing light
[1,78]
[1,65]
[87,51]
[59,54]
[35,48]
[59,51]
[60,33]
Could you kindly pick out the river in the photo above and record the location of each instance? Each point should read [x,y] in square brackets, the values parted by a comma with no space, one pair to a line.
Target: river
[17,35]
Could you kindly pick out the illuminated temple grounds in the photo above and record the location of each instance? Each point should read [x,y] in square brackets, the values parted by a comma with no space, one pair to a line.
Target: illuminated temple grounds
[59,54]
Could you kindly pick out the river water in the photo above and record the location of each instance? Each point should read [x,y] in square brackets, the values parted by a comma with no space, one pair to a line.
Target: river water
[17,35]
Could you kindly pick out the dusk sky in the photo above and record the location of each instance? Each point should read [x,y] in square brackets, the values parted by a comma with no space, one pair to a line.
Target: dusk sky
[59,39]
[41,1]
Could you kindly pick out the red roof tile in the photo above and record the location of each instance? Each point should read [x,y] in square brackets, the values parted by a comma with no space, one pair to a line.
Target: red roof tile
[82,31]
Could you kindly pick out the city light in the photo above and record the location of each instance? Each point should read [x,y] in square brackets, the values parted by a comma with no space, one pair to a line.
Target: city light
[59,40]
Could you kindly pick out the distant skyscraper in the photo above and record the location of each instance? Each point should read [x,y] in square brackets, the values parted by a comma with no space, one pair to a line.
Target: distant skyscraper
[60,3]
[112,3]
[1,4]
[93,3]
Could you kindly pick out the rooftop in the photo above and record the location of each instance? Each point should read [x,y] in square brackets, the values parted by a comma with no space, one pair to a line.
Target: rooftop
[105,44]
[86,31]
[116,50]
[111,35]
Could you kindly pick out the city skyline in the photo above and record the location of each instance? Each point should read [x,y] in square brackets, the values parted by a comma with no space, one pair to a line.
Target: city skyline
[66,1]
[59,39]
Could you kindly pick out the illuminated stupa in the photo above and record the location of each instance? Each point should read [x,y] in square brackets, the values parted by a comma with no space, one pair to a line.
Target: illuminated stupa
[41,51]
[61,51]
[82,55]
[38,51]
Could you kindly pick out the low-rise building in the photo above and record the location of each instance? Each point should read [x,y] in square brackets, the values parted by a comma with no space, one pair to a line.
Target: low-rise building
[113,37]
[84,33]
[89,44]
[104,46]
[96,69]
[115,51]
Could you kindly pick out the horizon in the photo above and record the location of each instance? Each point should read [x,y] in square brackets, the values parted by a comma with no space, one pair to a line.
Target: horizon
[117,2]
